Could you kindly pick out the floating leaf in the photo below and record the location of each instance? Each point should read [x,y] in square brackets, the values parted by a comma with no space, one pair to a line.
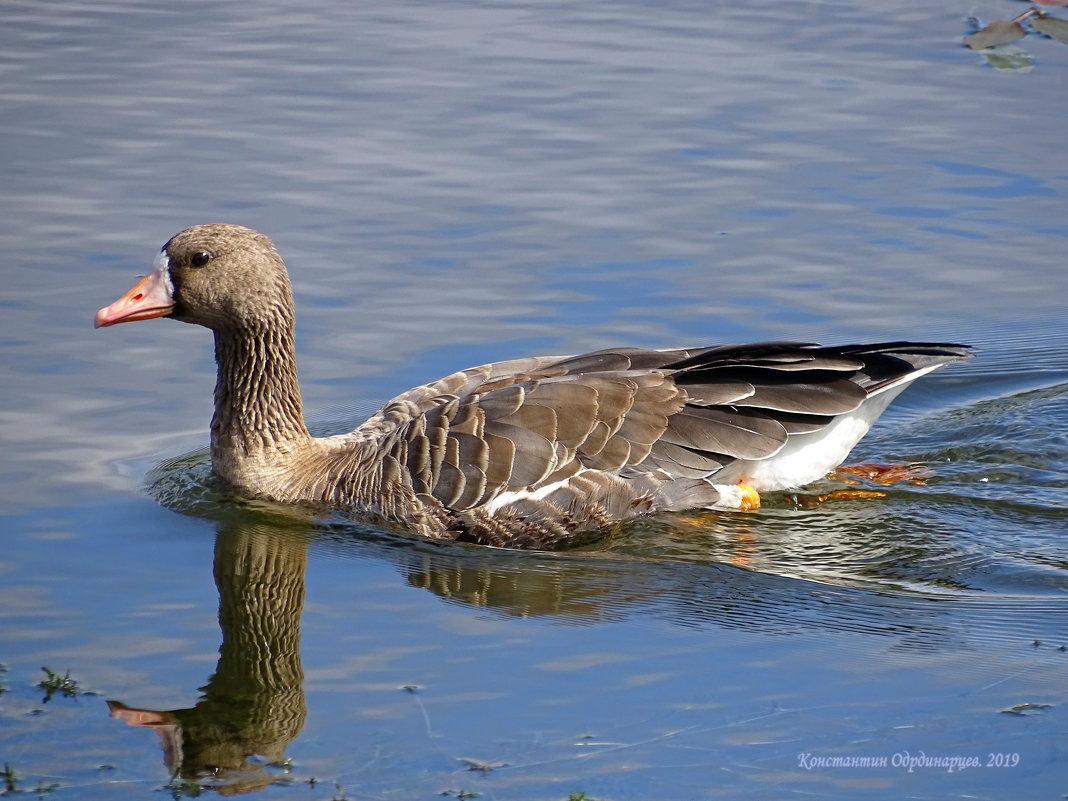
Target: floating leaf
[478,764]
[1028,708]
[1052,27]
[1008,59]
[1051,2]
[998,32]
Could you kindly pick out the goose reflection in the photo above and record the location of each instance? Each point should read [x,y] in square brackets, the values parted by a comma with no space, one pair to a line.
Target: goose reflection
[253,706]
[725,589]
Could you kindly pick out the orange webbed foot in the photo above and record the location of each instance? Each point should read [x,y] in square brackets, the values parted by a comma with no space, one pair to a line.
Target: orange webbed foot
[750,498]
[880,473]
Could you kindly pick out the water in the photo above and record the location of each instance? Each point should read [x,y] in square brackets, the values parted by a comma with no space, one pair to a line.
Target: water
[455,183]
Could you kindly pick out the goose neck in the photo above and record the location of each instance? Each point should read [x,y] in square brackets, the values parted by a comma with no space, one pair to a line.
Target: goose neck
[257,398]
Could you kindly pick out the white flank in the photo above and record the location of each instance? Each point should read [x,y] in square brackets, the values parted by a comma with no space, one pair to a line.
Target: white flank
[507,498]
[731,496]
[809,457]
[904,381]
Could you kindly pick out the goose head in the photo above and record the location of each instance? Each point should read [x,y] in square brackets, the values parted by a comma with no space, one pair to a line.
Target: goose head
[221,276]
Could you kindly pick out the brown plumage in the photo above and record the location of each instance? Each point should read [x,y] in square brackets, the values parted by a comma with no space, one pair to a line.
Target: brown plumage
[522,453]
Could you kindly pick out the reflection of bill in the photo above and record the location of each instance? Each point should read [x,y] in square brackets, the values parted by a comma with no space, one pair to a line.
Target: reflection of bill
[254,703]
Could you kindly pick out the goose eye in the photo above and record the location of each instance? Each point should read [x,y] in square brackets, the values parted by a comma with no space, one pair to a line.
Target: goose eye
[200,259]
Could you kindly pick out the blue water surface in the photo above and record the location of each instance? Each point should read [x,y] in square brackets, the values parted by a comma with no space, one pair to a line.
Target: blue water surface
[455,183]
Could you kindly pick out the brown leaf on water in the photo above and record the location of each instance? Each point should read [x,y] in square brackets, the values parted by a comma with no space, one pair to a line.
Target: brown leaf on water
[1029,708]
[479,765]
[1052,27]
[880,473]
[812,501]
[854,495]
[997,33]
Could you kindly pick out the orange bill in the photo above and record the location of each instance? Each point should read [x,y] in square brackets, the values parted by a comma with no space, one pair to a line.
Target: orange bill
[152,297]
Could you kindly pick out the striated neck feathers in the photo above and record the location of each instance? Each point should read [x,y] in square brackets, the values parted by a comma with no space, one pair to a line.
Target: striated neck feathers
[257,399]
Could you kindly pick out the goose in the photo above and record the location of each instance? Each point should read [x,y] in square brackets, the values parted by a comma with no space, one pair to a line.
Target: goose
[523,453]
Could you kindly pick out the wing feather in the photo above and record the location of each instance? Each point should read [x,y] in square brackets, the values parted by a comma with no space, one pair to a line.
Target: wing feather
[538,419]
[534,457]
[499,459]
[822,398]
[743,436]
[450,484]
[613,456]
[597,438]
[718,394]
[503,401]
[670,457]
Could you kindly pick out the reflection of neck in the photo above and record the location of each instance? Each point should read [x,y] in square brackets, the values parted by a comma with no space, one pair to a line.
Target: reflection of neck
[260,577]
[257,399]
[254,704]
